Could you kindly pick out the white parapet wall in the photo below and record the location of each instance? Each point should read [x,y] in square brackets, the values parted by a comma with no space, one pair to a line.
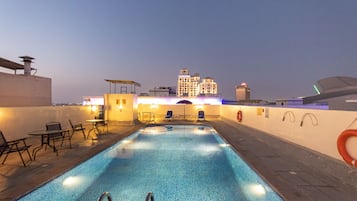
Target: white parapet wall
[21,90]
[16,122]
[157,113]
[312,128]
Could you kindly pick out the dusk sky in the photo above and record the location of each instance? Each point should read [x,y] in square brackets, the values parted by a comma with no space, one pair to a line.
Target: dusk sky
[280,48]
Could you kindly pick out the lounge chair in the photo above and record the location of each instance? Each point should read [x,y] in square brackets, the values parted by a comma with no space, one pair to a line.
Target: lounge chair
[19,146]
[60,136]
[77,127]
[201,116]
[169,115]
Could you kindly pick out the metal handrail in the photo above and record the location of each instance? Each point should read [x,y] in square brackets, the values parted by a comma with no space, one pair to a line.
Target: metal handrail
[149,197]
[105,194]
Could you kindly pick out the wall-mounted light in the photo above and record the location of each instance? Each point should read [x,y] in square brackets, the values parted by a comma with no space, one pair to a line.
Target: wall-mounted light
[198,107]
[93,108]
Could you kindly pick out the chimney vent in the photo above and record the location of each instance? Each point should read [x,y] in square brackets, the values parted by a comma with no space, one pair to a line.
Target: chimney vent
[27,64]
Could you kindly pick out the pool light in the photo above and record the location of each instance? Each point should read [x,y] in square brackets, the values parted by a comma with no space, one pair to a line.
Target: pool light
[71,181]
[256,190]
[224,145]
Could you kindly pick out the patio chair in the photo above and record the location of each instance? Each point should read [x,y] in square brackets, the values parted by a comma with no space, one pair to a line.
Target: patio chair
[169,115]
[19,146]
[77,127]
[201,116]
[60,136]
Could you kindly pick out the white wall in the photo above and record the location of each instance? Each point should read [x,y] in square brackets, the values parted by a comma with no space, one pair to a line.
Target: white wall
[319,131]
[16,122]
[21,90]
[180,111]
[120,107]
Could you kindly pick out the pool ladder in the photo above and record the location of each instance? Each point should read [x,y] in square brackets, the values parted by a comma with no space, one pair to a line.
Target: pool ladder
[149,196]
[105,195]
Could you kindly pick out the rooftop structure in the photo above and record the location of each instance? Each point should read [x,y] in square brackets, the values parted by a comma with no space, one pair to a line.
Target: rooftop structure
[123,84]
[16,66]
[162,91]
[23,89]
[339,92]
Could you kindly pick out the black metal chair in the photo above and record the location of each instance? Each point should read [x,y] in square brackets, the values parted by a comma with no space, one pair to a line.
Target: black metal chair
[60,136]
[19,146]
[77,127]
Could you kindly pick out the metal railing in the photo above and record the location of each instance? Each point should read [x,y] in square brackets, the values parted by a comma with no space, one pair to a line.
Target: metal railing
[149,197]
[105,195]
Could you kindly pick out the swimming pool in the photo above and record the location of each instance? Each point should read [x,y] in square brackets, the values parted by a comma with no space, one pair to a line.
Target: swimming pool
[175,162]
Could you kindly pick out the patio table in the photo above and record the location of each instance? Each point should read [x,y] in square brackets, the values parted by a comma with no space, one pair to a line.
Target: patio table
[45,139]
[94,128]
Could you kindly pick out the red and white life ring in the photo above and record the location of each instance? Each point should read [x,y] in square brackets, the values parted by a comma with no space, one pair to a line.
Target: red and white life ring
[341,146]
[239,116]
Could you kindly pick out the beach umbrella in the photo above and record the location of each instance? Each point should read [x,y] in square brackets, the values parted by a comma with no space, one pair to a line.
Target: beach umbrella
[184,102]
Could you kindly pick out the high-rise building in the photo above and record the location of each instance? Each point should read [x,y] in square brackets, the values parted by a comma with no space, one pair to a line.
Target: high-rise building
[243,92]
[191,86]
[208,87]
[187,85]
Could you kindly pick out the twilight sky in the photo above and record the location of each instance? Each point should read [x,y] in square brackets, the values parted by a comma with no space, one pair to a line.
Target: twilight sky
[280,48]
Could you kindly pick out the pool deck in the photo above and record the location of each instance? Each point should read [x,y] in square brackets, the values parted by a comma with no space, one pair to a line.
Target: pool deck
[297,173]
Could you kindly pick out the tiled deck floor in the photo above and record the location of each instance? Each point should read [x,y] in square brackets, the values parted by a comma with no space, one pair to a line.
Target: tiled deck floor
[297,173]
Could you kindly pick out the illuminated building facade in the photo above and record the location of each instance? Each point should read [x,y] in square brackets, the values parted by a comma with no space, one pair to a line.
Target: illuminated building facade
[208,87]
[187,85]
[191,86]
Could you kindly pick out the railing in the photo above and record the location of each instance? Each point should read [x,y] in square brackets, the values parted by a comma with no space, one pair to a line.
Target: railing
[105,195]
[312,117]
[149,197]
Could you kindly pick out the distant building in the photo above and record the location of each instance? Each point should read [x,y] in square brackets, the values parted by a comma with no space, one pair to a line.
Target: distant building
[191,86]
[162,91]
[243,92]
[289,102]
[23,89]
[187,85]
[208,87]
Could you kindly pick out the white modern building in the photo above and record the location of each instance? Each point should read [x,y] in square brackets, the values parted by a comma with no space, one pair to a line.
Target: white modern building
[191,86]
[208,87]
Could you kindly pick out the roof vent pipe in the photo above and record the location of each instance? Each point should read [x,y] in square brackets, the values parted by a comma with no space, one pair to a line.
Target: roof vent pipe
[27,64]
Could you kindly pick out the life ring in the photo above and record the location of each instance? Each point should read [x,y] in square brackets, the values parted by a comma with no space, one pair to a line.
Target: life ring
[239,116]
[341,146]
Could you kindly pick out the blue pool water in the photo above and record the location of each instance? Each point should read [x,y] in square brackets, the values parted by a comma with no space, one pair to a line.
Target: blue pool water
[174,162]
